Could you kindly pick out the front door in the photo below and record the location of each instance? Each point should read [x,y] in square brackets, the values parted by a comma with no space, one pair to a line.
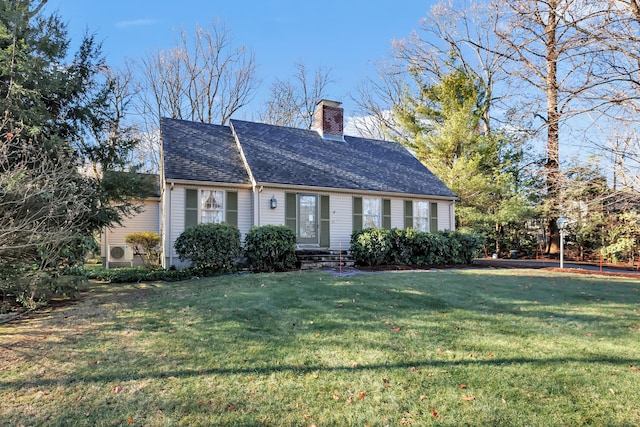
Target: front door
[307,229]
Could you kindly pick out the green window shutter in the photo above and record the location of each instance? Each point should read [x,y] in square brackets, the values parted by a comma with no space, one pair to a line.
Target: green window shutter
[386,214]
[433,214]
[325,222]
[290,211]
[231,214]
[191,208]
[357,213]
[408,214]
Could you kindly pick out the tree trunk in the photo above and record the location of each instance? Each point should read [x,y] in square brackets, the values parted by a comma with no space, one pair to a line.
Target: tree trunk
[552,167]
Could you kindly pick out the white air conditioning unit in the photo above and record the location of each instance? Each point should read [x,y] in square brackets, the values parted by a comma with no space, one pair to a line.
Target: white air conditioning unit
[120,253]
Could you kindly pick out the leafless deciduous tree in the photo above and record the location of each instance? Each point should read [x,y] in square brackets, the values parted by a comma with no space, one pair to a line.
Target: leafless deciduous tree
[204,78]
[292,102]
[456,34]
[554,61]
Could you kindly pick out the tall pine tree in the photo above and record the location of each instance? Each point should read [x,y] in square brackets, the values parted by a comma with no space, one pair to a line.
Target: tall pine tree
[442,125]
[57,125]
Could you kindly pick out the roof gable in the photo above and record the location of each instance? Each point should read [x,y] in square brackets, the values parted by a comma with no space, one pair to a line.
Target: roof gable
[201,152]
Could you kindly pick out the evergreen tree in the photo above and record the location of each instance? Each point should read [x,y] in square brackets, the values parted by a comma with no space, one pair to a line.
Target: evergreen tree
[442,125]
[61,141]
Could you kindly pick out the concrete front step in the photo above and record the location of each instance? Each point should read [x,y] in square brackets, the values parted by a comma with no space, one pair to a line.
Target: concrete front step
[310,265]
[315,259]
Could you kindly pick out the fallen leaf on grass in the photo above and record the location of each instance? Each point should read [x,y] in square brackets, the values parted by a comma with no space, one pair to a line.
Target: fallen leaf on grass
[462,386]
[423,396]
[349,399]
[130,421]
[336,396]
[468,398]
[362,395]
[633,368]
[118,389]
[162,356]
[434,413]
[354,365]
[395,328]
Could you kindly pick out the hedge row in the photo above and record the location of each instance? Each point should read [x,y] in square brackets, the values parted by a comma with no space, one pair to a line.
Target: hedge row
[377,246]
[138,274]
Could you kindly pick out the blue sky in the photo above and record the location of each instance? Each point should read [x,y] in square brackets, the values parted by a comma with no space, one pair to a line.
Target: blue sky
[348,36]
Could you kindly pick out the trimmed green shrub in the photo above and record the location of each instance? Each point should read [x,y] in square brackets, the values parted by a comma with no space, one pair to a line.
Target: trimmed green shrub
[409,247]
[271,248]
[371,246]
[212,248]
[146,245]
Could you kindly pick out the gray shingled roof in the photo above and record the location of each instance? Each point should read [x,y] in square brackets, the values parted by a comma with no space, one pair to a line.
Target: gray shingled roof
[289,156]
[201,152]
[302,157]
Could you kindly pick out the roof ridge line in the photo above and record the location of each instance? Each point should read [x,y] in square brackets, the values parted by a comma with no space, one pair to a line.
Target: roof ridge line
[242,155]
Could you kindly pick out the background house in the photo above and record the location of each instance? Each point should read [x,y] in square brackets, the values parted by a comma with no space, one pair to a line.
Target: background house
[321,183]
[113,246]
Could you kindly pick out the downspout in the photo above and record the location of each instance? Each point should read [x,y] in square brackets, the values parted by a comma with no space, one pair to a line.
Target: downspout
[260,205]
[167,238]
[452,215]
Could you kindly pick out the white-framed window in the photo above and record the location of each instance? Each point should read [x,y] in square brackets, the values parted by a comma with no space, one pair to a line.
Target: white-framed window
[371,212]
[421,216]
[211,206]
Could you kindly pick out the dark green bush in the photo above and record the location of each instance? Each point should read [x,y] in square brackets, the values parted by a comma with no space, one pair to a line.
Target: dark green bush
[212,248]
[271,248]
[131,275]
[409,247]
[371,246]
[32,287]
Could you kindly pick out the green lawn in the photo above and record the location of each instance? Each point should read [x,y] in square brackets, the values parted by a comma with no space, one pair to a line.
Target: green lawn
[452,347]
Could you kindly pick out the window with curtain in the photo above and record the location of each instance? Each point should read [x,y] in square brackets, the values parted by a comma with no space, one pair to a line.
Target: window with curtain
[421,216]
[371,212]
[211,206]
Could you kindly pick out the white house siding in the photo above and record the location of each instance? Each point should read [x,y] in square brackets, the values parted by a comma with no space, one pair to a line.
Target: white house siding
[175,220]
[267,215]
[341,211]
[146,220]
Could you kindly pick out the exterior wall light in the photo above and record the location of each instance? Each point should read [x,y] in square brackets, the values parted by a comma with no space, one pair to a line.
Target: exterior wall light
[273,203]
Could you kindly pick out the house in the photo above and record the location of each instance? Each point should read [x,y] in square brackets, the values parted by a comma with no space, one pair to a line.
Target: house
[114,250]
[321,183]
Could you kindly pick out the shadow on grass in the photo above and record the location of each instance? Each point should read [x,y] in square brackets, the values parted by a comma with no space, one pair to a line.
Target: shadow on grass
[305,369]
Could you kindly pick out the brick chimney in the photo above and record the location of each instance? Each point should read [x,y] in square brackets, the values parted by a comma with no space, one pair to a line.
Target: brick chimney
[329,120]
